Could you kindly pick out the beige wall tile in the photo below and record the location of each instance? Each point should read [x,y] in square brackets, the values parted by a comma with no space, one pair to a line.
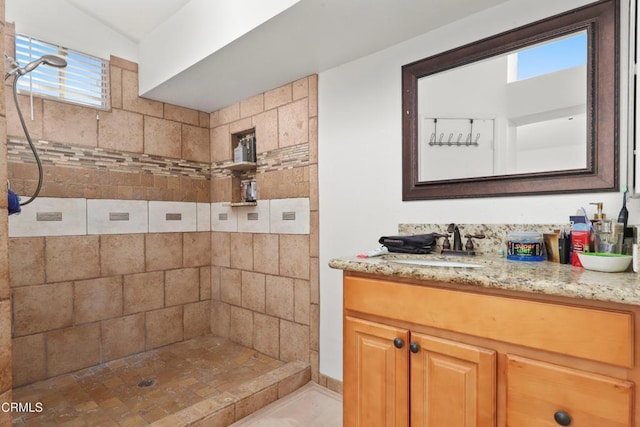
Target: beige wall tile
[70,124]
[205,119]
[163,251]
[301,301]
[277,97]
[220,318]
[294,256]
[296,346]
[197,249]
[215,282]
[195,144]
[164,326]
[197,319]
[26,263]
[42,308]
[229,114]
[253,291]
[241,326]
[314,329]
[132,102]
[221,249]
[29,359]
[266,125]
[293,123]
[143,292]
[205,283]
[220,144]
[252,106]
[214,119]
[81,252]
[97,299]
[280,297]
[5,345]
[122,336]
[313,140]
[73,348]
[313,95]
[121,254]
[242,251]
[14,128]
[182,114]
[300,88]
[314,282]
[314,238]
[115,78]
[239,126]
[162,137]
[123,63]
[181,286]
[266,253]
[266,334]
[231,286]
[120,130]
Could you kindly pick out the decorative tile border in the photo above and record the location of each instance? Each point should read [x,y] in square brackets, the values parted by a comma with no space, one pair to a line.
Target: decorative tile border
[63,155]
[269,161]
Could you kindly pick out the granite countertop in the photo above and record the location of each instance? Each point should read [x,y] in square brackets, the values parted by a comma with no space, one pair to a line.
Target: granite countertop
[499,273]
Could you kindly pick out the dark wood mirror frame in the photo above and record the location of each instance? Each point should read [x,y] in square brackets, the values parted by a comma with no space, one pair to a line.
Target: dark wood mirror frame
[600,20]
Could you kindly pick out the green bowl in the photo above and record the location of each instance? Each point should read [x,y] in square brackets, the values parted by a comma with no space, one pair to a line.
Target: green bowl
[609,263]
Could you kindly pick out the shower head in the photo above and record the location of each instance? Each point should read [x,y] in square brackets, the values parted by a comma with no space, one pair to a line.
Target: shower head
[52,60]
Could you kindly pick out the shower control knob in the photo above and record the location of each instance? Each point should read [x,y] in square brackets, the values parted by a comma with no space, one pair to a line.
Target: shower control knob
[398,342]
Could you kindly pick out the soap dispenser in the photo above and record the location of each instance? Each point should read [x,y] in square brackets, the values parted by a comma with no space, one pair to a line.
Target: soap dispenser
[599,216]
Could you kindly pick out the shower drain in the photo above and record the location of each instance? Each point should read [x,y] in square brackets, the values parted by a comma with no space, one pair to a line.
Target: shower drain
[146,383]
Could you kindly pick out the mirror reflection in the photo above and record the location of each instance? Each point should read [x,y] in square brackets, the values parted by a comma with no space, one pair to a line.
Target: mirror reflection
[517,113]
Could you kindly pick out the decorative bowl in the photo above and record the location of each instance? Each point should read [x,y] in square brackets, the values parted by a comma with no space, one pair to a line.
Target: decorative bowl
[609,263]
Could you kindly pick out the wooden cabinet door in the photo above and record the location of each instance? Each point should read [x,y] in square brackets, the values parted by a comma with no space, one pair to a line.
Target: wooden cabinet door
[538,392]
[452,384]
[376,386]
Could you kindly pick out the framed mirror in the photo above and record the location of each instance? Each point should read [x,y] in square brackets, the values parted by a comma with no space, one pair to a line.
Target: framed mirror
[529,111]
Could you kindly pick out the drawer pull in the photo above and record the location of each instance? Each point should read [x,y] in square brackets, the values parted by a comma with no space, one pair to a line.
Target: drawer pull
[398,342]
[414,347]
[562,418]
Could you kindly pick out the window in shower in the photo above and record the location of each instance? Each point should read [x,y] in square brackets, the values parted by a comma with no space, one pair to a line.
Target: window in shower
[84,81]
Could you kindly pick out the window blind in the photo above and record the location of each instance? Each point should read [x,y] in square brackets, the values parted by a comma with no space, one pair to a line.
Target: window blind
[84,81]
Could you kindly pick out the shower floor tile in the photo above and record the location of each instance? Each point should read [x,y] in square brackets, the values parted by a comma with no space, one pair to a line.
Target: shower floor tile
[203,380]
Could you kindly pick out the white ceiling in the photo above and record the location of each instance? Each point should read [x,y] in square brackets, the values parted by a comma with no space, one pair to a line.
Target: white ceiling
[309,37]
[132,18]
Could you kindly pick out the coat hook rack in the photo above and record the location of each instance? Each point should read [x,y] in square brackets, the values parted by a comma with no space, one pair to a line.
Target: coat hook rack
[468,141]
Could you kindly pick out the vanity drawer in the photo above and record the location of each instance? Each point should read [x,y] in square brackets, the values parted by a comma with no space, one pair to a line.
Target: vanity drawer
[589,333]
[536,391]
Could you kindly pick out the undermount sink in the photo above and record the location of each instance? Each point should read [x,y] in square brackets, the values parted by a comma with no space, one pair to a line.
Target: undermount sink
[435,263]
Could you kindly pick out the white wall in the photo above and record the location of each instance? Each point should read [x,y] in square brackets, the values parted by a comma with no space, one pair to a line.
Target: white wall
[360,137]
[59,22]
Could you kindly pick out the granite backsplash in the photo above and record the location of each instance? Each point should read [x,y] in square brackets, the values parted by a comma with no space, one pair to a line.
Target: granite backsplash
[494,243]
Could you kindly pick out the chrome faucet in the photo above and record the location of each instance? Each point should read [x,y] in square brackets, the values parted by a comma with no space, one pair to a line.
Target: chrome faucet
[457,240]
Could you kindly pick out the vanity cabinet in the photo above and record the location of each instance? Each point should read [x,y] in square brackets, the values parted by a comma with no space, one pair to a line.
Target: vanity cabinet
[423,354]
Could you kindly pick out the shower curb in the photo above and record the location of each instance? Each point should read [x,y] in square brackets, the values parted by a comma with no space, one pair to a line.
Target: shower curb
[242,400]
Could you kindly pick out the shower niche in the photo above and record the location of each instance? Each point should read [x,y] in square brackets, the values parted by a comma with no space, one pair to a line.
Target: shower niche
[243,169]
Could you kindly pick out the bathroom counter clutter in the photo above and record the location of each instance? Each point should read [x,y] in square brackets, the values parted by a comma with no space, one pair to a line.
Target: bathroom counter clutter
[543,277]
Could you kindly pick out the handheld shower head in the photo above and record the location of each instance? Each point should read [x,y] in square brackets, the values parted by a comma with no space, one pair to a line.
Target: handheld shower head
[52,60]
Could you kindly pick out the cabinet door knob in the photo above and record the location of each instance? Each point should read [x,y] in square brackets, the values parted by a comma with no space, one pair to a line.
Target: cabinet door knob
[414,347]
[562,418]
[398,342]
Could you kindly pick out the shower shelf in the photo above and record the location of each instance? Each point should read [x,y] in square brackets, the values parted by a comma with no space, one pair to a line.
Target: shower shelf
[241,166]
[240,204]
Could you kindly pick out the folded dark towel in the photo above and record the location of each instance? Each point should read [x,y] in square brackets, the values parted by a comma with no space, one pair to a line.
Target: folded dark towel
[13,202]
[414,244]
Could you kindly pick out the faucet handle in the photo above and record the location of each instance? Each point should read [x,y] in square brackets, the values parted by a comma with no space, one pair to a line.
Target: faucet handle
[469,245]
